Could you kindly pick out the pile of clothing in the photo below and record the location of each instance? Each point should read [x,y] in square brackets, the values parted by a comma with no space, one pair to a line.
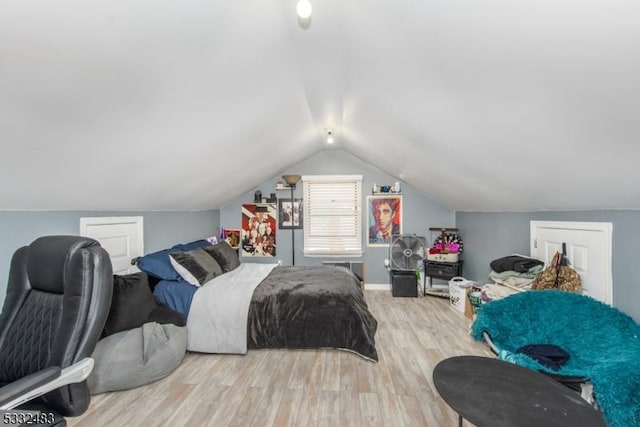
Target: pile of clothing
[510,274]
[515,270]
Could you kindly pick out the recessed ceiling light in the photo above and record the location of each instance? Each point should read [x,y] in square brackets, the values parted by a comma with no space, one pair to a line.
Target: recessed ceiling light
[304,9]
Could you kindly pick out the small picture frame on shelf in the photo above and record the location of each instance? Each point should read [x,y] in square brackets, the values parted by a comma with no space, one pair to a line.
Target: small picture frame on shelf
[386,189]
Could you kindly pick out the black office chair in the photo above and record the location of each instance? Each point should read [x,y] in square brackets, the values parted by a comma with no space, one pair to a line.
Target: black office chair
[58,298]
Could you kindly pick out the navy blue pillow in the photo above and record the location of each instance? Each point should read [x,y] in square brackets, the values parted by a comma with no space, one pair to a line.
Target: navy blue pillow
[175,294]
[192,245]
[157,264]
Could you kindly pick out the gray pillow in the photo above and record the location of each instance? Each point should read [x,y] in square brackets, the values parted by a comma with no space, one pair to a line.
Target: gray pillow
[196,267]
[226,256]
[137,357]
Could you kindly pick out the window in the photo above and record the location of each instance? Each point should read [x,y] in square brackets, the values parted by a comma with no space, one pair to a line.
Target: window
[332,215]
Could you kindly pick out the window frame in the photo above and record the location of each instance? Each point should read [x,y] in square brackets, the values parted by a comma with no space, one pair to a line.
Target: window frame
[327,244]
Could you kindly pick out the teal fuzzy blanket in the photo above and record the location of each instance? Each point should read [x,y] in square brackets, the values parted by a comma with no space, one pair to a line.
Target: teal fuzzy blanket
[603,343]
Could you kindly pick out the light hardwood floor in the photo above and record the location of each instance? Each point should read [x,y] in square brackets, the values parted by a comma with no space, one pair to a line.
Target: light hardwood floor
[308,387]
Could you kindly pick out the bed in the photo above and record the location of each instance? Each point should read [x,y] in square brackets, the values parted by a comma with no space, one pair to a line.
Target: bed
[254,305]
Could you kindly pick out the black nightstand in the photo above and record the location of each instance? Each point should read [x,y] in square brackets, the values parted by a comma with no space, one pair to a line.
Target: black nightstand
[440,270]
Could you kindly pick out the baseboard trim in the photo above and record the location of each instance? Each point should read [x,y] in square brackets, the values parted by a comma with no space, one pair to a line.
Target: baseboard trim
[377,286]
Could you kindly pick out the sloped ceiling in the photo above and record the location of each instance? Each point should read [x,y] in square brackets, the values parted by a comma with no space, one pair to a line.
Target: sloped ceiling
[165,105]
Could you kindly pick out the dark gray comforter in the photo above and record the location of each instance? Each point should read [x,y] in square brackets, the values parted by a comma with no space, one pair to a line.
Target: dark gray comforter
[311,307]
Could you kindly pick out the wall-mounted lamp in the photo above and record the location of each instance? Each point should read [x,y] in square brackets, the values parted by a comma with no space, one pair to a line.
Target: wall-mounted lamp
[304,9]
[330,137]
[291,181]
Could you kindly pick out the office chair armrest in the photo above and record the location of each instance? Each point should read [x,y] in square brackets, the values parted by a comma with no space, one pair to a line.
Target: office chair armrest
[41,382]
[15,389]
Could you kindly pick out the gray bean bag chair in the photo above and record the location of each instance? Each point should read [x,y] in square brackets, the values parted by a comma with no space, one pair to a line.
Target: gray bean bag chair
[137,357]
[142,340]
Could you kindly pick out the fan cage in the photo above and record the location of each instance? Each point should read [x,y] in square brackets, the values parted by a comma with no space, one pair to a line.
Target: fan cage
[406,252]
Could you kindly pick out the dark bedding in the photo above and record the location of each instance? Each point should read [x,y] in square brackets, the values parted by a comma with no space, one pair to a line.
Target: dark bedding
[311,307]
[298,307]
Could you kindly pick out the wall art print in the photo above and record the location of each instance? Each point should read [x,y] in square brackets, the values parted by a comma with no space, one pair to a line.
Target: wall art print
[232,237]
[384,219]
[289,215]
[258,230]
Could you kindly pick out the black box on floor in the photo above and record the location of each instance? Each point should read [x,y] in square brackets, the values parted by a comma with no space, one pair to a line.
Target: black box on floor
[404,284]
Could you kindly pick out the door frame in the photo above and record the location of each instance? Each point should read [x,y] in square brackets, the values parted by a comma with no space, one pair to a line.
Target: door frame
[603,227]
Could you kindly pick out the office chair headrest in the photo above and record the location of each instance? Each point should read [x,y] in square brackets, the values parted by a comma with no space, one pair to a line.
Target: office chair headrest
[49,257]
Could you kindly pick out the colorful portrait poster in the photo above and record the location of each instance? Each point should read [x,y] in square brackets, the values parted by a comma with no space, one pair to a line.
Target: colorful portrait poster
[259,230]
[384,219]
[232,237]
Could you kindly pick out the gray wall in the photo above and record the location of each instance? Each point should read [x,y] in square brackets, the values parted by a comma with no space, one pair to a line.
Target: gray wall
[488,236]
[420,211]
[161,229]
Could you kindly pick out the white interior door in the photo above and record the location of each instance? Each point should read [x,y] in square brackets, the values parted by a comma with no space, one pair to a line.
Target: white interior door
[121,237]
[588,249]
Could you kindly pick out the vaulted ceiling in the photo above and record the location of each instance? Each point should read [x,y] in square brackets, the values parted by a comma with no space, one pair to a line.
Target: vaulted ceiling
[183,105]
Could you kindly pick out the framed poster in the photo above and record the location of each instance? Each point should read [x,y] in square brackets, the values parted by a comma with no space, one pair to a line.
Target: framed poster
[232,237]
[289,215]
[258,230]
[384,218]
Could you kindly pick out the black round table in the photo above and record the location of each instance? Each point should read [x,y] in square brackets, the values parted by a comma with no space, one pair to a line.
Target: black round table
[493,393]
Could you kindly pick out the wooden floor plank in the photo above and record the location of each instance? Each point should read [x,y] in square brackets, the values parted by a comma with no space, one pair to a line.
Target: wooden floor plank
[309,406]
[350,414]
[329,410]
[411,412]
[370,410]
[198,407]
[331,372]
[267,408]
[288,409]
[249,406]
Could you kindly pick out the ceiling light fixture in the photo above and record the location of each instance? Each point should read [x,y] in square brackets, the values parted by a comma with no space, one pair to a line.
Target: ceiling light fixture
[304,9]
[329,137]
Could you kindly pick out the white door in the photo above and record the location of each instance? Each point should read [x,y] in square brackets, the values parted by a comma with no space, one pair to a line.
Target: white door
[588,249]
[121,237]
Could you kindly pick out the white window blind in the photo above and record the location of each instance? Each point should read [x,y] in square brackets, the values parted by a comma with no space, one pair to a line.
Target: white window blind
[332,215]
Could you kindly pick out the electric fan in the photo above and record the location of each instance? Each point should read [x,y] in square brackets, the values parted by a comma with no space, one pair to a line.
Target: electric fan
[406,252]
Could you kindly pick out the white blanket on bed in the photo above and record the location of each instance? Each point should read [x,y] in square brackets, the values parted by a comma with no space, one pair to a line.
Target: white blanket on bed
[217,321]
